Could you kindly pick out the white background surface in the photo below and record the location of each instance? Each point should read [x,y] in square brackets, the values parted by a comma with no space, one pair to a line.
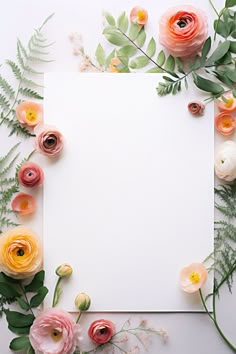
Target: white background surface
[189,333]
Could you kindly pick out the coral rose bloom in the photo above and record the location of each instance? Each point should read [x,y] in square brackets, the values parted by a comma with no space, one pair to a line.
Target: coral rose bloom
[54,331]
[193,277]
[139,16]
[24,204]
[225,123]
[49,141]
[29,113]
[30,175]
[183,30]
[101,331]
[227,102]
[20,253]
[196,108]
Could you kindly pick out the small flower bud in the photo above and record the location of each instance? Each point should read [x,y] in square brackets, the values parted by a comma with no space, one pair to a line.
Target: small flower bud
[64,270]
[82,302]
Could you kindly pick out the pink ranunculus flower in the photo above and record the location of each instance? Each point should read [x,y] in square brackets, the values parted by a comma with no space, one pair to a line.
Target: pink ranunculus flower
[24,204]
[54,331]
[139,16]
[183,30]
[193,277]
[49,141]
[30,175]
[101,331]
[196,108]
[29,113]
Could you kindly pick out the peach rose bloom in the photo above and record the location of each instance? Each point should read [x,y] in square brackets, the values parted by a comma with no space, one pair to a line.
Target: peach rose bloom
[54,331]
[113,65]
[49,141]
[20,253]
[139,16]
[196,108]
[225,123]
[29,113]
[193,277]
[183,30]
[101,331]
[226,102]
[23,203]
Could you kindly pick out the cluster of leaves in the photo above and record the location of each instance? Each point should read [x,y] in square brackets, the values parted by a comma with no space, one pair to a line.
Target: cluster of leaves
[224,256]
[28,296]
[129,39]
[23,70]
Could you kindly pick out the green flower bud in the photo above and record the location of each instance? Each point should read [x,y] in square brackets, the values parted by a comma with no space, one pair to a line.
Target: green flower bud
[82,302]
[64,270]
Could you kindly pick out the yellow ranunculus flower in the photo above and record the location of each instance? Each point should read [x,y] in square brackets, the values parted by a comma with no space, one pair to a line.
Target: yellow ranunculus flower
[20,252]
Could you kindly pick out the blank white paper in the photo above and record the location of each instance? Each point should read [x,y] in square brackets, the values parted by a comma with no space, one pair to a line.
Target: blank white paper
[130,201]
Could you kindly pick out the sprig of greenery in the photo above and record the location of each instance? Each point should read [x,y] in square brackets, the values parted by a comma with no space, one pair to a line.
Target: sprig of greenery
[26,87]
[18,322]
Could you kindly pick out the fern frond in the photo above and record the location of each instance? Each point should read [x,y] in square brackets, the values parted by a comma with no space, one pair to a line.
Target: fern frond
[22,49]
[4,102]
[30,93]
[6,87]
[15,69]
[9,166]
[32,71]
[6,157]
[37,59]
[17,129]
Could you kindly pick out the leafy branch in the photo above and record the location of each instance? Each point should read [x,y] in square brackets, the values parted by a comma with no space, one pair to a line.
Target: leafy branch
[22,70]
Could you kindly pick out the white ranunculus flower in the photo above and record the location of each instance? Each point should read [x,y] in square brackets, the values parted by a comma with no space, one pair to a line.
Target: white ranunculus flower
[225,161]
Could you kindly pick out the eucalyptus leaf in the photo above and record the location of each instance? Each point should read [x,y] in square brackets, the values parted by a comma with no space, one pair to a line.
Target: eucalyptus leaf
[30,350]
[110,19]
[100,55]
[17,319]
[170,63]
[19,343]
[218,53]
[39,297]
[232,47]
[36,283]
[155,70]
[127,50]
[133,31]
[205,50]
[123,22]
[141,37]
[22,303]
[231,74]
[116,38]
[151,48]
[230,3]
[221,28]
[161,58]
[139,62]
[207,85]
[19,330]
[196,63]
[109,29]
[8,290]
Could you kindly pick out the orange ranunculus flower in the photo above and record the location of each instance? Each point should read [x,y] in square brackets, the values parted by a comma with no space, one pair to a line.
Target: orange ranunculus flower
[193,277]
[113,65]
[139,16]
[225,123]
[227,102]
[23,203]
[183,30]
[29,113]
[20,252]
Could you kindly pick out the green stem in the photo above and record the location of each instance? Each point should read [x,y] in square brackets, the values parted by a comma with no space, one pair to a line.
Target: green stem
[56,295]
[213,6]
[79,316]
[26,298]
[213,318]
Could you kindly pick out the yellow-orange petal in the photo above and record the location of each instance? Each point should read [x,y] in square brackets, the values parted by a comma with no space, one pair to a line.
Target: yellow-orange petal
[227,102]
[139,15]
[113,65]
[193,277]
[29,113]
[24,204]
[225,123]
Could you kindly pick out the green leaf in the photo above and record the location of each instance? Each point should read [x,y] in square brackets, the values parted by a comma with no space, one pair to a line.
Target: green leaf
[231,74]
[6,87]
[196,63]
[109,29]
[151,48]
[110,19]
[134,31]
[180,65]
[23,304]
[218,53]
[155,70]
[30,93]
[221,28]
[18,330]
[139,62]
[110,56]
[8,290]
[205,50]
[116,38]
[36,283]
[17,319]
[15,69]
[141,37]
[232,47]
[170,63]
[127,50]
[123,22]
[30,350]
[207,85]
[38,299]
[230,3]
[100,55]
[161,58]
[19,343]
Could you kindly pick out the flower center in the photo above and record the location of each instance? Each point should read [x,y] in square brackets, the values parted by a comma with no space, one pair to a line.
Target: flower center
[20,252]
[24,204]
[141,15]
[194,277]
[226,123]
[229,102]
[56,335]
[184,21]
[31,115]
[50,141]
